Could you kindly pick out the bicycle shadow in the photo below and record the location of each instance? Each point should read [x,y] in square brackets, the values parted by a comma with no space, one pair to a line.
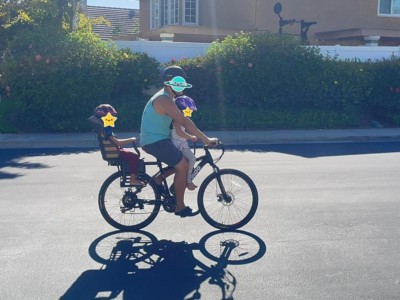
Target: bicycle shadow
[138,266]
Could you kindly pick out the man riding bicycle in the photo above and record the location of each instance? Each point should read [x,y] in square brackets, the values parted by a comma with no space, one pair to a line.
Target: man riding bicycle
[155,139]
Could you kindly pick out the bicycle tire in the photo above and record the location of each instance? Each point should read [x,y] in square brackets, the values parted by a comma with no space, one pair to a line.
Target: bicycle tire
[131,246]
[111,203]
[247,248]
[223,214]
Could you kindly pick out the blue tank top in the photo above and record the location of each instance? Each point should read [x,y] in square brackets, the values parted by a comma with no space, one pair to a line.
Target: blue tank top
[154,127]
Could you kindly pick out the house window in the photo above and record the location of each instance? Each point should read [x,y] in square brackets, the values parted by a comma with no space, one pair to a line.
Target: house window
[155,14]
[170,12]
[389,7]
[164,12]
[191,12]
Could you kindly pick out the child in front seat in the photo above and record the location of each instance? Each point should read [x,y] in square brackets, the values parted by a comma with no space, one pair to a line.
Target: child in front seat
[180,137]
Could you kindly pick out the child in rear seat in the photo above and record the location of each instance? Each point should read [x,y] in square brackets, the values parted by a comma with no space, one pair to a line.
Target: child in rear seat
[101,112]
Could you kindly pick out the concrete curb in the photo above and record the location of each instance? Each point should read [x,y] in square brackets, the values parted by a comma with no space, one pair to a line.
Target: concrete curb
[88,140]
[311,136]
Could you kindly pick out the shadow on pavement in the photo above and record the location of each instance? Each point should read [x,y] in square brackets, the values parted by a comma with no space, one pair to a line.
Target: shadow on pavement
[314,150]
[13,158]
[138,266]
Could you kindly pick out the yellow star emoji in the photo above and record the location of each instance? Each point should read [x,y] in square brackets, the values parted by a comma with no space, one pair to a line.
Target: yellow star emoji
[187,112]
[109,120]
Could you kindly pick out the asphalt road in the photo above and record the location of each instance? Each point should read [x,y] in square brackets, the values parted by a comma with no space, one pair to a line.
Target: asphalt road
[327,227]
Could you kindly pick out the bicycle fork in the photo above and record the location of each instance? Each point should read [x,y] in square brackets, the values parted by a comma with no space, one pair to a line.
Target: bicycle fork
[224,196]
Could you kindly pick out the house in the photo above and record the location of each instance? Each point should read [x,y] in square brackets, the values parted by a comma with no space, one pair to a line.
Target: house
[123,22]
[320,22]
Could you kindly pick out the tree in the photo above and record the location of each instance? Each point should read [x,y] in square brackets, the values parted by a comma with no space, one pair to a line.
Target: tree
[61,14]
[35,23]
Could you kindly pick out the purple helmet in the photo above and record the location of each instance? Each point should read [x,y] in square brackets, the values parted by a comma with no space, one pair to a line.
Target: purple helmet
[103,109]
[184,102]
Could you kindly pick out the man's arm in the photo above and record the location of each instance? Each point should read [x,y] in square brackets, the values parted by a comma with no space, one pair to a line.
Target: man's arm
[183,134]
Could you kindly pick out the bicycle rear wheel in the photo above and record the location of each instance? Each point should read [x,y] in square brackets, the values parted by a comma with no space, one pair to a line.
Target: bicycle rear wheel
[128,208]
[122,245]
[227,199]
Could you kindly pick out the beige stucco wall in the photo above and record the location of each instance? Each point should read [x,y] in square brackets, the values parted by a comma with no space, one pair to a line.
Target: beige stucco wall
[144,15]
[227,14]
[329,15]
[249,15]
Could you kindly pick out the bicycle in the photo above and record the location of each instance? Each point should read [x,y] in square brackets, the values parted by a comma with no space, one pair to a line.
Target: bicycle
[227,198]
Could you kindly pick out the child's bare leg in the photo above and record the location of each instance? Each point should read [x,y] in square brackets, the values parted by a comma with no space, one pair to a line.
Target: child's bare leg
[191,186]
[188,154]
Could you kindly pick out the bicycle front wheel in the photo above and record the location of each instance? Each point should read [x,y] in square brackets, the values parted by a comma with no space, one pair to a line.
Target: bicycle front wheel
[128,208]
[227,199]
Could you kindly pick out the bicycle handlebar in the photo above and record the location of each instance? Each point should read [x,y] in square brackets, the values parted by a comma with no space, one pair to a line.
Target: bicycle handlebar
[219,145]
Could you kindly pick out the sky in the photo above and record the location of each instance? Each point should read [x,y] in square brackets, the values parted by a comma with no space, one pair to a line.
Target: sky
[115,3]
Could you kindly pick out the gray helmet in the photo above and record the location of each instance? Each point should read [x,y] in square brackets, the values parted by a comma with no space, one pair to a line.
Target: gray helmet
[171,72]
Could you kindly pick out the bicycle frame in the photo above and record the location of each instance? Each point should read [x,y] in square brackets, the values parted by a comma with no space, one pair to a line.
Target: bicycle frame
[169,197]
[208,159]
[203,160]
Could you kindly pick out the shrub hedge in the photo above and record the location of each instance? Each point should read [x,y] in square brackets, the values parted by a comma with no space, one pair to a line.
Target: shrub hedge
[53,87]
[246,81]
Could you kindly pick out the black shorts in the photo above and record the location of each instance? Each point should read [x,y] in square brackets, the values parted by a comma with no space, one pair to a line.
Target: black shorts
[164,151]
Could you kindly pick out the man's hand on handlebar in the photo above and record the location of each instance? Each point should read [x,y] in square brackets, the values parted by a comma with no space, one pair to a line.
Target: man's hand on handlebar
[213,142]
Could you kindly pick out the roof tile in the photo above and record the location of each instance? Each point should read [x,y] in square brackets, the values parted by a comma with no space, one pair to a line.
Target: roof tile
[124,22]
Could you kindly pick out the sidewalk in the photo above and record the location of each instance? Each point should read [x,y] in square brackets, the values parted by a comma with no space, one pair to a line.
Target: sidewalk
[88,140]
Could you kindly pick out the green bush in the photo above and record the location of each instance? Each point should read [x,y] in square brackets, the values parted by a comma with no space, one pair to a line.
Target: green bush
[384,100]
[130,110]
[270,80]
[7,108]
[136,72]
[246,81]
[208,117]
[55,84]
[54,91]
